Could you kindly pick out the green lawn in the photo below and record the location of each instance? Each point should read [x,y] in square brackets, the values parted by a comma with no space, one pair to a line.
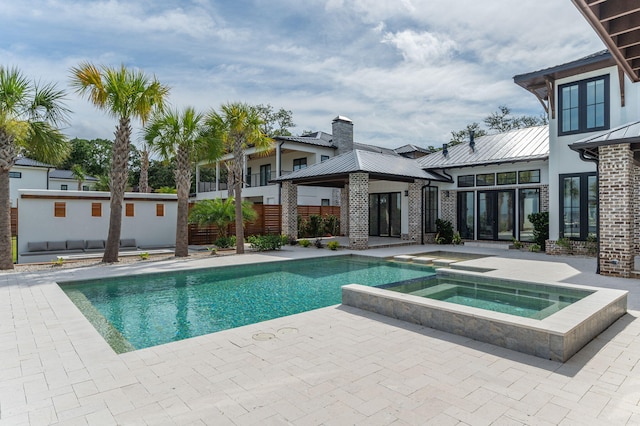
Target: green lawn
[14,249]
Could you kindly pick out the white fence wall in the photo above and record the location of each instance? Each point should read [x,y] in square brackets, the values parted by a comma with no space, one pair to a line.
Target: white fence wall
[37,222]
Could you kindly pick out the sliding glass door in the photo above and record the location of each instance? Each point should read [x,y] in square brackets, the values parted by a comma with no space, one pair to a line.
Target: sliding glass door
[385,214]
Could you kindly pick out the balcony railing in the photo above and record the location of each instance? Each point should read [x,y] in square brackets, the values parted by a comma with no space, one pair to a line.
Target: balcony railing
[251,181]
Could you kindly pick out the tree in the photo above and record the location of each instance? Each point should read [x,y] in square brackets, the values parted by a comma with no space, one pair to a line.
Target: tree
[463,135]
[502,121]
[30,114]
[143,181]
[78,174]
[220,213]
[123,94]
[275,123]
[180,135]
[238,126]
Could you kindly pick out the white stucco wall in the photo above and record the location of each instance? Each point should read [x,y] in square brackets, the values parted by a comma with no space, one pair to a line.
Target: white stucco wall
[31,178]
[562,159]
[36,221]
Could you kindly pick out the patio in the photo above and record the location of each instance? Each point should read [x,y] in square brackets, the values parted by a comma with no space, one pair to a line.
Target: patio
[336,365]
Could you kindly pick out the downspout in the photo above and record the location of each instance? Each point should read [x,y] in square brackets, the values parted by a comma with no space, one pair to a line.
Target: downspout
[280,172]
[422,207]
[595,160]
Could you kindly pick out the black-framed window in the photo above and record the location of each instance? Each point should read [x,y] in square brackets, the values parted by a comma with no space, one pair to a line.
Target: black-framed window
[529,176]
[85,187]
[265,174]
[583,106]
[466,181]
[529,203]
[64,187]
[299,163]
[466,214]
[578,205]
[430,208]
[324,158]
[15,175]
[506,178]
[247,178]
[486,179]
[325,202]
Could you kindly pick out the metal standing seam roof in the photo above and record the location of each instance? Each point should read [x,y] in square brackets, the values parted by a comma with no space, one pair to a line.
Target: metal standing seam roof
[28,162]
[527,144]
[627,133]
[316,138]
[405,149]
[364,161]
[68,174]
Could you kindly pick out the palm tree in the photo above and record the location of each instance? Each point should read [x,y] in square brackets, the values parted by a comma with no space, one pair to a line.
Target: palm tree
[180,135]
[238,127]
[78,174]
[220,213]
[30,115]
[123,94]
[143,182]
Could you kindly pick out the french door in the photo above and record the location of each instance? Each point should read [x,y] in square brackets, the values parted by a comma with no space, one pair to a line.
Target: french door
[384,214]
[496,215]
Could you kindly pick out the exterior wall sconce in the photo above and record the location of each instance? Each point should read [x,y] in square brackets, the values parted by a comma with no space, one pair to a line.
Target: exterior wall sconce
[446,194]
[406,192]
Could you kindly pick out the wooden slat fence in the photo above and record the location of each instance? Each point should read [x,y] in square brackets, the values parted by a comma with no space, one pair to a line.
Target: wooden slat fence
[269,222]
[14,221]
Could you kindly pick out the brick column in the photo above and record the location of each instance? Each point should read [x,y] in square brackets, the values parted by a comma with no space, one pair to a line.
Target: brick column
[290,209]
[359,211]
[415,210]
[544,198]
[344,210]
[616,210]
[636,209]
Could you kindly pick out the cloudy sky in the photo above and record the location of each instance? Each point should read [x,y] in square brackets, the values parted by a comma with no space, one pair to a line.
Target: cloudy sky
[405,71]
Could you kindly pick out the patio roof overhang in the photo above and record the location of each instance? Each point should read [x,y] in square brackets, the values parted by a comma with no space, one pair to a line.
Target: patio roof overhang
[617,22]
[628,133]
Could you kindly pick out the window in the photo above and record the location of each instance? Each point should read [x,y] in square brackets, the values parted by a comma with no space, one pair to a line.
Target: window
[325,202]
[128,209]
[59,209]
[507,178]
[529,176]
[578,195]
[265,174]
[248,177]
[64,187]
[430,208]
[15,175]
[324,158]
[96,209]
[85,187]
[583,106]
[299,163]
[466,181]
[529,203]
[486,179]
[466,214]
[159,210]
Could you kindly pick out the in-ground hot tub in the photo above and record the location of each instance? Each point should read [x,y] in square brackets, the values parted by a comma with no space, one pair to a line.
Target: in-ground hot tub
[547,320]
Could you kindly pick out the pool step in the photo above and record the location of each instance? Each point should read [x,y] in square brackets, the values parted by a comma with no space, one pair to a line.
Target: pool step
[424,260]
[443,262]
[490,244]
[404,258]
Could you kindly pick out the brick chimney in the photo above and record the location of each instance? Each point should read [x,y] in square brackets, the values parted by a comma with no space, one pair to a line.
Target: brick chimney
[342,130]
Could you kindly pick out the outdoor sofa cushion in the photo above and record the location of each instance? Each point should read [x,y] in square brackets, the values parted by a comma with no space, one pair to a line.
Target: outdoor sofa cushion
[94,244]
[37,246]
[128,243]
[75,244]
[56,245]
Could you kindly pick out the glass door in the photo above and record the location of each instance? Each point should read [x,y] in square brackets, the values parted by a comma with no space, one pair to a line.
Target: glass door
[496,215]
[385,214]
[486,215]
[466,215]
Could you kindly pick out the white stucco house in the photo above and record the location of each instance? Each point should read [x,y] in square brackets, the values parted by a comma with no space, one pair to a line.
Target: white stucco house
[65,180]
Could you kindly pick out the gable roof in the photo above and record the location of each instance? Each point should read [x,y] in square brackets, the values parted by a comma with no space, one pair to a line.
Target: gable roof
[627,133]
[68,174]
[28,162]
[315,138]
[382,165]
[405,149]
[527,144]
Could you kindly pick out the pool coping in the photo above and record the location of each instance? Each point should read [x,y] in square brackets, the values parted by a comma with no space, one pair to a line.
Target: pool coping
[557,337]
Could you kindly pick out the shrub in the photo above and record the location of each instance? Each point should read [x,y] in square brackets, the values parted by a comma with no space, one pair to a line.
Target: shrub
[331,224]
[302,226]
[58,261]
[534,248]
[315,225]
[444,231]
[318,243]
[144,256]
[265,242]
[565,243]
[592,245]
[540,222]
[304,243]
[457,239]
[333,245]
[516,244]
[225,242]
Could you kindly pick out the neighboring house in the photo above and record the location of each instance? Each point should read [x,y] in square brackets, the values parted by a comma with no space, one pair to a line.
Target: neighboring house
[27,174]
[290,154]
[65,180]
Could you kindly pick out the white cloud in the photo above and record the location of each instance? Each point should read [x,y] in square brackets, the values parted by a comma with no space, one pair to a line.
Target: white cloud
[420,47]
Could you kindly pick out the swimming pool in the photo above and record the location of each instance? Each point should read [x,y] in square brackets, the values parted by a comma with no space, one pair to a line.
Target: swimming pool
[524,300]
[146,310]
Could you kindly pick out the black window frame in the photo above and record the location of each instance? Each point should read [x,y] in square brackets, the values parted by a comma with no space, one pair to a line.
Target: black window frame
[325,202]
[430,208]
[515,178]
[265,174]
[584,204]
[530,181]
[484,182]
[64,187]
[466,181]
[324,158]
[299,163]
[582,106]
[15,175]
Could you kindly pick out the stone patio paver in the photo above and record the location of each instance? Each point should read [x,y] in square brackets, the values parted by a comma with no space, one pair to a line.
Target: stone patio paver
[336,365]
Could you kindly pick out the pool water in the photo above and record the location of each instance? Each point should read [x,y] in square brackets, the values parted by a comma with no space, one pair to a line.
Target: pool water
[530,301]
[146,310]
